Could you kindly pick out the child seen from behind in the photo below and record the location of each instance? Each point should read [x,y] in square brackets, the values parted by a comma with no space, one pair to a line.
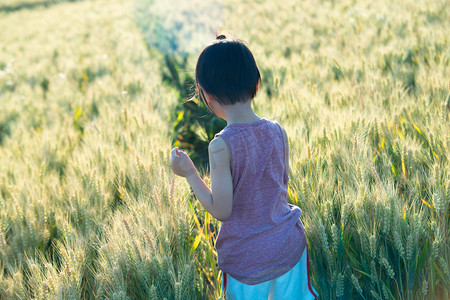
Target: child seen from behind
[261,245]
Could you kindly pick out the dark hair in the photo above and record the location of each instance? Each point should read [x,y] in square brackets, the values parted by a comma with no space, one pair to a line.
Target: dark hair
[227,70]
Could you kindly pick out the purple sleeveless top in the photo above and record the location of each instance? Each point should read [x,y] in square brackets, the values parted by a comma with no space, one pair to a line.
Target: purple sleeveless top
[263,238]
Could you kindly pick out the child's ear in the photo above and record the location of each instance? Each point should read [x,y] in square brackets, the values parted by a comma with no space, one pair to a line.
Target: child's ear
[209,97]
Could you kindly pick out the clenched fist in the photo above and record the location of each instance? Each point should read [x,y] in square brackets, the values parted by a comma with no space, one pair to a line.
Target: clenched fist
[181,163]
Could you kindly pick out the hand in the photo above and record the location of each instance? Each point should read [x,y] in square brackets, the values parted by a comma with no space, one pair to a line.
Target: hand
[181,163]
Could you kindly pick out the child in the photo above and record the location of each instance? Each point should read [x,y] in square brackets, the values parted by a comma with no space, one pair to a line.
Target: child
[261,245]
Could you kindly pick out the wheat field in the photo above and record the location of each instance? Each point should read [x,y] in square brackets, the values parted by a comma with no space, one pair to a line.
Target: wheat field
[89,208]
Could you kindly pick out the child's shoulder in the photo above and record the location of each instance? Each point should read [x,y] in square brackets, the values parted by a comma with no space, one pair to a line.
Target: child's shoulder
[217,142]
[281,127]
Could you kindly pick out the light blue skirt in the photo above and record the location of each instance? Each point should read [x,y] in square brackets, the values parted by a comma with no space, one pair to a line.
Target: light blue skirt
[293,285]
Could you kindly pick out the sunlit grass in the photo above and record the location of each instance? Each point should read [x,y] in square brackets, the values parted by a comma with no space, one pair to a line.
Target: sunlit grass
[90,209]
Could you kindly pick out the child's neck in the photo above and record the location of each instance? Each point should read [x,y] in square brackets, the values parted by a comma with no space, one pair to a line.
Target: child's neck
[240,113]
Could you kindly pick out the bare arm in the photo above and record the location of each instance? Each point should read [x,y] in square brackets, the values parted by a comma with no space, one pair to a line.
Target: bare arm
[217,201]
